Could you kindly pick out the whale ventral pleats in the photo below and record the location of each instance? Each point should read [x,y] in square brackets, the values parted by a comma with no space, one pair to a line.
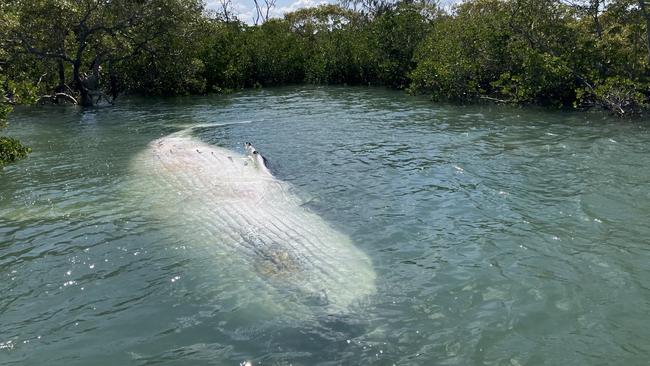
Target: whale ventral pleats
[238,213]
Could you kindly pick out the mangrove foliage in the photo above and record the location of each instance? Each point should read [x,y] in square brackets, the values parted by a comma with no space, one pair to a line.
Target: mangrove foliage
[578,54]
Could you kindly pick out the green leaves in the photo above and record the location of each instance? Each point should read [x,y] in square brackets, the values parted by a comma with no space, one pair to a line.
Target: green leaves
[11,150]
[464,54]
[548,52]
[621,96]
[5,109]
[14,92]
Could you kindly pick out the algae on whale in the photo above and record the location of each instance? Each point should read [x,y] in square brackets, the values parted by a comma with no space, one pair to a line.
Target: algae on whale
[254,225]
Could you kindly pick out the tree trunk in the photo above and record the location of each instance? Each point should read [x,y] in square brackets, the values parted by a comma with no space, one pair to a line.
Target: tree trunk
[85,99]
[595,7]
[646,16]
[647,37]
[113,86]
[61,87]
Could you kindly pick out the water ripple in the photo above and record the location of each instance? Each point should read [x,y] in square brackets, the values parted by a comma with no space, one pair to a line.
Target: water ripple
[499,235]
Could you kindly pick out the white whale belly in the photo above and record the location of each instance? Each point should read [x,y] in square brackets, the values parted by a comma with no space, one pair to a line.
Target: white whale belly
[255,221]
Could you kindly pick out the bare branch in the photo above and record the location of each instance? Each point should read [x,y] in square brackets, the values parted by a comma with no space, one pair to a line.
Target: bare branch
[258,12]
[24,43]
[226,9]
[54,99]
[269,4]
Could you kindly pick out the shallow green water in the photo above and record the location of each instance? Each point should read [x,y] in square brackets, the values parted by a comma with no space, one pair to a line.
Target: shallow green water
[498,236]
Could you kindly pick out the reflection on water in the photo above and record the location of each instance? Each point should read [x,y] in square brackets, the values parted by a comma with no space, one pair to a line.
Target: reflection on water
[499,236]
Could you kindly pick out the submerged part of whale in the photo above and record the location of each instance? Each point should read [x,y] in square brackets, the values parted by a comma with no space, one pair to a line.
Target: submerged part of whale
[258,228]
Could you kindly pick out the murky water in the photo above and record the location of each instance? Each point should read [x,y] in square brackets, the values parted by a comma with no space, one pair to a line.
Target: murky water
[498,236]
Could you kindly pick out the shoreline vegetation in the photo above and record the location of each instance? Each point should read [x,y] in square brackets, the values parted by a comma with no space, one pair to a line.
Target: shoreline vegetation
[574,54]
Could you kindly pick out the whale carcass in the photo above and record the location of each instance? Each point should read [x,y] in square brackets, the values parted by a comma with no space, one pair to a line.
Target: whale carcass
[254,222]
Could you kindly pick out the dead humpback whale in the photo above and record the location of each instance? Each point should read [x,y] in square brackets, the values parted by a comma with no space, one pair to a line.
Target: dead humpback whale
[255,222]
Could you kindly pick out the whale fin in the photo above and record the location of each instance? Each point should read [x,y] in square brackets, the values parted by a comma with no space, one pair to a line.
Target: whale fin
[250,150]
[260,161]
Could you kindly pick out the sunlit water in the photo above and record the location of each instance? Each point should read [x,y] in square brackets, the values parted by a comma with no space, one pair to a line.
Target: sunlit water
[498,236]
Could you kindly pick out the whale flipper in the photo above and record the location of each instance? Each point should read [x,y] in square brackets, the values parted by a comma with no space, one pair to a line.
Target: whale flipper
[260,161]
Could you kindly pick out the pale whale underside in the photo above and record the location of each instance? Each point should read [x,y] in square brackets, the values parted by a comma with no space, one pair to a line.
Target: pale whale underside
[255,222]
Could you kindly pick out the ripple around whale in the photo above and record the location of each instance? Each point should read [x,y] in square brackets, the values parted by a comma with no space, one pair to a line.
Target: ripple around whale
[498,235]
[258,231]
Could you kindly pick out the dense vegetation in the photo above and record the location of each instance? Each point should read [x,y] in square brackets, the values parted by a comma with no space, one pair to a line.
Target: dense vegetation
[572,54]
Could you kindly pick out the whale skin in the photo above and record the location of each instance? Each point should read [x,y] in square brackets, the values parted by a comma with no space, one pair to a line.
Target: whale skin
[256,227]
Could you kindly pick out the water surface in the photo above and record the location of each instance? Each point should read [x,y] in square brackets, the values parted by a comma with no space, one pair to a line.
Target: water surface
[499,236]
